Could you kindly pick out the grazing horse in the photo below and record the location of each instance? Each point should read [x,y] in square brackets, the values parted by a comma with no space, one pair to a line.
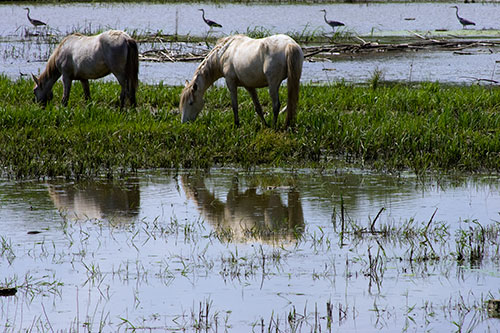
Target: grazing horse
[82,58]
[251,63]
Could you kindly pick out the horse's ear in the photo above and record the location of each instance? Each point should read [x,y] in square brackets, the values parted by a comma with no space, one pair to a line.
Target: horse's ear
[35,79]
[186,84]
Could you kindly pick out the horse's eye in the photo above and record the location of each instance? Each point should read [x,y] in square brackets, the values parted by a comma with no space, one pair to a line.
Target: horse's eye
[191,103]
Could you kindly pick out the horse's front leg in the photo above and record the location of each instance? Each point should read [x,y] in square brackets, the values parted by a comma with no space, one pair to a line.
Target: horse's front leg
[258,107]
[275,98]
[66,89]
[233,90]
[86,89]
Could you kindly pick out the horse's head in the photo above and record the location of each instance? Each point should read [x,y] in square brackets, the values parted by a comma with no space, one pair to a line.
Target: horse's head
[41,95]
[191,101]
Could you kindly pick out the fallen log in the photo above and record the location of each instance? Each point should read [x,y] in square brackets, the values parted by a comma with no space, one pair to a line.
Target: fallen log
[425,44]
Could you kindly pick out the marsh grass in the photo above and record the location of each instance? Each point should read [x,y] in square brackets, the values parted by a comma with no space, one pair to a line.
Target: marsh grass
[258,32]
[393,127]
[306,35]
[421,242]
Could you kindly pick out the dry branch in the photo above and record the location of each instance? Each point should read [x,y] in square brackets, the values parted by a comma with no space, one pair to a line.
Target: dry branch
[364,47]
[425,44]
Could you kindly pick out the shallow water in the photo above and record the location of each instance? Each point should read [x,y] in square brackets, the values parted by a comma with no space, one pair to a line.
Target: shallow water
[185,19]
[157,250]
[444,67]
[22,56]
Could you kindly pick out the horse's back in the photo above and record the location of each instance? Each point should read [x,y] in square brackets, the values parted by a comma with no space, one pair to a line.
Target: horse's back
[277,49]
[113,47]
[114,39]
[257,61]
[92,57]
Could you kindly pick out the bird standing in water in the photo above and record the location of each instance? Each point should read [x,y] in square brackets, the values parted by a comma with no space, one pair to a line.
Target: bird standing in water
[332,23]
[463,22]
[210,23]
[36,23]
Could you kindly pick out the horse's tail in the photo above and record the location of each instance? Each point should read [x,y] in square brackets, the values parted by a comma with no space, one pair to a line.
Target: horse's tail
[294,60]
[132,69]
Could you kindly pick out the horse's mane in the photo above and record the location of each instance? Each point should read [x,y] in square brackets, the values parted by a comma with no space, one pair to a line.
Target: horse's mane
[215,54]
[51,68]
[209,67]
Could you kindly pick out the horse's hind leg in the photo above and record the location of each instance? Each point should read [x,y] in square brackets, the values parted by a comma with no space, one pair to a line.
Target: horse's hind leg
[131,96]
[275,98]
[233,90]
[258,107]
[123,83]
[86,89]
[123,95]
[127,90]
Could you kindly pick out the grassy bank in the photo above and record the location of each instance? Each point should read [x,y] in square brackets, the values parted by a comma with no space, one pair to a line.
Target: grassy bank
[393,127]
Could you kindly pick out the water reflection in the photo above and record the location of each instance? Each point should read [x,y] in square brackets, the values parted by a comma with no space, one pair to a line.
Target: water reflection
[253,212]
[151,261]
[268,206]
[97,200]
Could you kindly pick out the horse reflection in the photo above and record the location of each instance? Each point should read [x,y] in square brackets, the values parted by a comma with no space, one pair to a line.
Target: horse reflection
[97,200]
[248,214]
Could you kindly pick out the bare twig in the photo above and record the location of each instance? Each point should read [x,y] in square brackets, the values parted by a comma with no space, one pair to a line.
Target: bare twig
[372,226]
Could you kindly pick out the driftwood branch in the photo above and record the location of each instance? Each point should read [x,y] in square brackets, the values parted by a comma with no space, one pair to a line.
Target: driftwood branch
[164,56]
[364,47]
[424,44]
[478,79]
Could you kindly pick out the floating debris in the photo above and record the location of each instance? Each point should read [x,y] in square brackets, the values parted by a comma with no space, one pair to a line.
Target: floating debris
[494,308]
[166,56]
[424,43]
[8,291]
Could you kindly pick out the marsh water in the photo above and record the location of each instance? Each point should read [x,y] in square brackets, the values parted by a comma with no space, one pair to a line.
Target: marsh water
[241,250]
[22,55]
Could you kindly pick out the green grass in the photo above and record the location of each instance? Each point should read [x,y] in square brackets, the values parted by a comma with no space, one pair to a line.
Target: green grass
[384,126]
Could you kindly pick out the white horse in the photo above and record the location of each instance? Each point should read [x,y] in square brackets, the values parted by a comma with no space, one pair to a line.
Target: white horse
[82,58]
[251,63]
